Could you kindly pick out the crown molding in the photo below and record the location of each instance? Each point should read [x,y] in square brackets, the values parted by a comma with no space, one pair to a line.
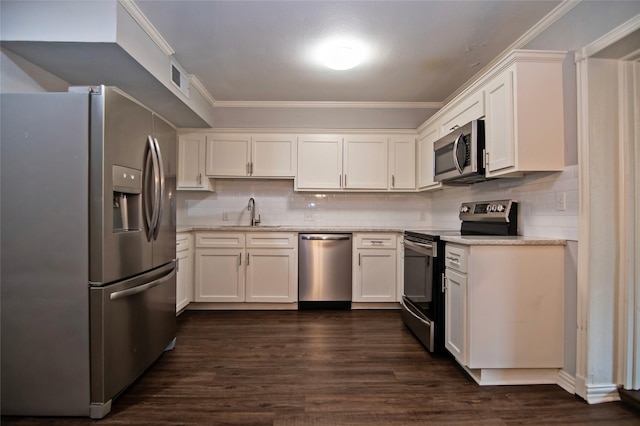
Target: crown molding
[147,26]
[197,84]
[322,104]
[557,13]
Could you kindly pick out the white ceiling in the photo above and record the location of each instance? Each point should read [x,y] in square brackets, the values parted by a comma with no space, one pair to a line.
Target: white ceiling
[257,53]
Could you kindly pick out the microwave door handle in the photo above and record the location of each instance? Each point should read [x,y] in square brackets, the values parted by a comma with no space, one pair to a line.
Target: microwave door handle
[455,153]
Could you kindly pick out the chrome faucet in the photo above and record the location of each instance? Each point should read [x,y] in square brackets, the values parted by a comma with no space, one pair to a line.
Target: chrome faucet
[252,208]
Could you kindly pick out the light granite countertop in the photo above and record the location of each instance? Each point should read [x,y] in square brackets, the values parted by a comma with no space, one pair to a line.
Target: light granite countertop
[452,236]
[287,228]
[494,240]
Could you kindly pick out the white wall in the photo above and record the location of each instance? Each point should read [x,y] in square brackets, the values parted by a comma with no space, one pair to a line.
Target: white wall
[18,76]
[278,204]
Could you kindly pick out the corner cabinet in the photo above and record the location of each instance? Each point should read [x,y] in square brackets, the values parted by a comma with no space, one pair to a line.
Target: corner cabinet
[246,267]
[504,311]
[402,163]
[191,164]
[375,263]
[524,119]
[426,139]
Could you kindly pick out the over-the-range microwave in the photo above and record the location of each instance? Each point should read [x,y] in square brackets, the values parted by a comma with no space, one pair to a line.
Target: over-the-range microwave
[459,156]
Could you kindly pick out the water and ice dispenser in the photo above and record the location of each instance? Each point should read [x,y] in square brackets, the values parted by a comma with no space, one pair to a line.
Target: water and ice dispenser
[127,189]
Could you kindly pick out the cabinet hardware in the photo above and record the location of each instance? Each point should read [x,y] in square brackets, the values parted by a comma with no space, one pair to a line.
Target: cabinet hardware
[248,172]
[486,159]
[377,242]
[444,282]
[199,178]
[178,264]
[393,181]
[251,168]
[454,127]
[239,259]
[247,259]
[359,255]
[345,180]
[340,181]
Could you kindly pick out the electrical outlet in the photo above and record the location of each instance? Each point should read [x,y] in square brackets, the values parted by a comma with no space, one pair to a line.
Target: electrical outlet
[308,216]
[225,215]
[561,201]
[423,216]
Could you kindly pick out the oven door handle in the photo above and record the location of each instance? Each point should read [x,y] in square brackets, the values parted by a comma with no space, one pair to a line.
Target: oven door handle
[427,249]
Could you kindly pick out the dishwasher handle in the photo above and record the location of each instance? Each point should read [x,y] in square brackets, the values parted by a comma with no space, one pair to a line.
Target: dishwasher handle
[326,237]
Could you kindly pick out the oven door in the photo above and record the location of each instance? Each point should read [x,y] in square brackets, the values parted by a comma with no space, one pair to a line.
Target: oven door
[417,302]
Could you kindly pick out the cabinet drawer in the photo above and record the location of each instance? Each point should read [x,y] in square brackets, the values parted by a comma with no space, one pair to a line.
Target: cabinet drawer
[376,241]
[183,242]
[271,240]
[455,257]
[219,240]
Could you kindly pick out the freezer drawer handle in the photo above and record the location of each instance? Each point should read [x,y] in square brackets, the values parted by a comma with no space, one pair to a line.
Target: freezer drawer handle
[325,237]
[139,289]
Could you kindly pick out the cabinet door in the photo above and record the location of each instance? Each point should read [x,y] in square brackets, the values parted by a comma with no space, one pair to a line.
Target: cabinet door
[219,275]
[184,280]
[455,323]
[468,109]
[499,130]
[366,162]
[191,157]
[273,156]
[228,155]
[402,163]
[425,158]
[271,276]
[319,162]
[375,276]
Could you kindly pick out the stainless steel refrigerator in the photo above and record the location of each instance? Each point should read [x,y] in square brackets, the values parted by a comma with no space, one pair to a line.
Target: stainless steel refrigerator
[88,248]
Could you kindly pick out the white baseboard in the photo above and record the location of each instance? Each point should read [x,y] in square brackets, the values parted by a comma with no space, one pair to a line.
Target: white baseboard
[567,382]
[597,394]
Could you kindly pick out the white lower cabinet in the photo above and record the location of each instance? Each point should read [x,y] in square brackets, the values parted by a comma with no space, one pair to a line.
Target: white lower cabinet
[375,268]
[246,267]
[505,311]
[184,276]
[455,332]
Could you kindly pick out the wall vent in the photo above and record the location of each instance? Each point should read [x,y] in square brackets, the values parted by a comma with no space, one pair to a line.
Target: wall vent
[180,79]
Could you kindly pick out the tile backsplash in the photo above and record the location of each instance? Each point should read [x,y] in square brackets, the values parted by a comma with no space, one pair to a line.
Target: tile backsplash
[548,205]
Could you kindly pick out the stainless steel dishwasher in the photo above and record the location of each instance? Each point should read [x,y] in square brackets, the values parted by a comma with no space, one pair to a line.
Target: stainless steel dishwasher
[324,271]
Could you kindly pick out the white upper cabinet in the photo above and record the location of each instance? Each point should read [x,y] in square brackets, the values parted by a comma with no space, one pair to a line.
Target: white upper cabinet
[365,162]
[244,155]
[319,162]
[524,115]
[191,163]
[228,155]
[402,163]
[426,139]
[461,112]
[356,162]
[273,155]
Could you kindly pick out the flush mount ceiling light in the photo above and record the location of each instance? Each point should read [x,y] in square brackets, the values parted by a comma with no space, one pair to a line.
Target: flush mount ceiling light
[341,54]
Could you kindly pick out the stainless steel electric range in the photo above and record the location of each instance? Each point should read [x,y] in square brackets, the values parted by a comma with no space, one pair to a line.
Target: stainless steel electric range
[423,304]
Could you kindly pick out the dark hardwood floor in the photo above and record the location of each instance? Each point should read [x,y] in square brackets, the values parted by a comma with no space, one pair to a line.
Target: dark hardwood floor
[325,368]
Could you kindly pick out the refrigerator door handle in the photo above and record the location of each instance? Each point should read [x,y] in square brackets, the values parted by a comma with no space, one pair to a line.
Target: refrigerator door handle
[141,288]
[152,216]
[162,189]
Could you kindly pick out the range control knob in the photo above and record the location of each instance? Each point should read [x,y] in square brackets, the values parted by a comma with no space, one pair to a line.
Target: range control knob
[493,207]
[500,208]
[464,209]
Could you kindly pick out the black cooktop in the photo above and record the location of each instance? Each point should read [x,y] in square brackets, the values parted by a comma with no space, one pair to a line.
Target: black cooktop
[432,234]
